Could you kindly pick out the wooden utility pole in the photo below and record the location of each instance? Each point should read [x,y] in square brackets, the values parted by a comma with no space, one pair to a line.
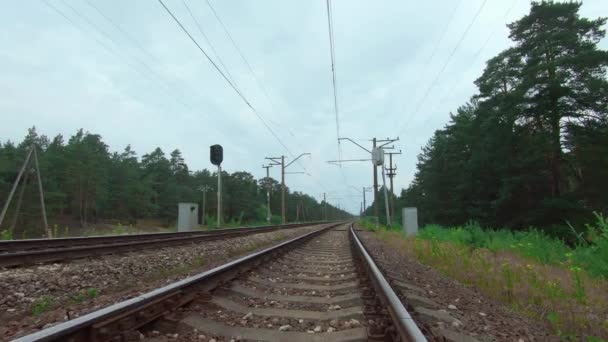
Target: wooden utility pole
[10,195]
[18,207]
[26,163]
[42,206]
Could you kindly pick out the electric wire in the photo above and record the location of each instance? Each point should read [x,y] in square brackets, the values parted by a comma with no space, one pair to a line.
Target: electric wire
[473,61]
[436,79]
[136,43]
[258,115]
[246,62]
[436,46]
[202,32]
[255,78]
[166,88]
[252,73]
[123,31]
[333,72]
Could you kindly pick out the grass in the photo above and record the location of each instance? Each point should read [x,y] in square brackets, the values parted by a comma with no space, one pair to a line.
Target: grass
[541,277]
[6,235]
[42,305]
[90,293]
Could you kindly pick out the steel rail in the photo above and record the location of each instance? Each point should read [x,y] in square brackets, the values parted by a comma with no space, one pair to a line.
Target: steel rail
[402,320]
[53,250]
[11,245]
[114,321]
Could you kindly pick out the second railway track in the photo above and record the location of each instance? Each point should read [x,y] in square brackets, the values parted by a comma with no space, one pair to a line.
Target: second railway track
[322,286]
[26,252]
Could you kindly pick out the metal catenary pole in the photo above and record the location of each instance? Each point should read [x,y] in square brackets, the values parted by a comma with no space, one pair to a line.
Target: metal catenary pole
[283,215]
[268,185]
[391,174]
[375,167]
[364,207]
[388,213]
[275,161]
[376,209]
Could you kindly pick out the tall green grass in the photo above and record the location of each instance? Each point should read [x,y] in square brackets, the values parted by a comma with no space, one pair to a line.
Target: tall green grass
[534,274]
[591,253]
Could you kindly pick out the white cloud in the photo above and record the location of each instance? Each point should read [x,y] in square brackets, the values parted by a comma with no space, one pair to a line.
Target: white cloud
[60,79]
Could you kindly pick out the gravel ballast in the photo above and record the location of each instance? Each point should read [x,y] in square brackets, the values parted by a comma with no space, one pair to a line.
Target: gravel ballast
[476,315]
[39,296]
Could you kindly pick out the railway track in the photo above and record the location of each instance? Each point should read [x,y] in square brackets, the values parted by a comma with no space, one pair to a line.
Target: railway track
[322,286]
[25,252]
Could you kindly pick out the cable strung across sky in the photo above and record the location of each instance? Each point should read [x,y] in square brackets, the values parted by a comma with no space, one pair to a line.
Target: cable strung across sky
[259,116]
[333,72]
[432,85]
[232,85]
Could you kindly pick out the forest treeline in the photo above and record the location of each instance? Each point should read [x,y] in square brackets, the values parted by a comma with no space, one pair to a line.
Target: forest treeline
[86,183]
[531,148]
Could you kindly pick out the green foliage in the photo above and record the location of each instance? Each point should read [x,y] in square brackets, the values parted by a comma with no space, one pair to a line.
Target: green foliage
[6,235]
[90,293]
[593,256]
[86,182]
[533,244]
[531,148]
[562,294]
[42,305]
[370,223]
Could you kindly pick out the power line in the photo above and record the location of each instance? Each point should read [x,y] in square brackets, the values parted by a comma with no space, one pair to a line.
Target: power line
[332,51]
[437,44]
[473,60]
[123,31]
[166,88]
[217,56]
[225,77]
[249,67]
[333,72]
[432,85]
[259,84]
[242,55]
[139,46]
[258,115]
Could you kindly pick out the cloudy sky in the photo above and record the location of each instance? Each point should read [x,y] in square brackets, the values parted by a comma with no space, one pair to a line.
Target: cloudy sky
[125,70]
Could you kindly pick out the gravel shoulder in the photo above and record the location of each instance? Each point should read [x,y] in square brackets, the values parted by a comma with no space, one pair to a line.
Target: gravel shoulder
[478,316]
[39,296]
